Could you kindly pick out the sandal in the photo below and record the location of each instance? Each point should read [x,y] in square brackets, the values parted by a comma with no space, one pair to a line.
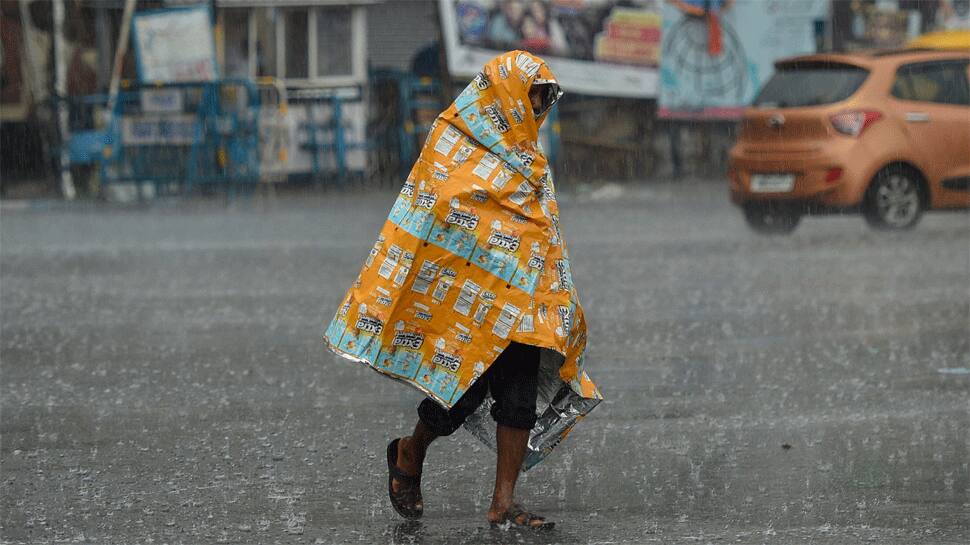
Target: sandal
[518,517]
[408,495]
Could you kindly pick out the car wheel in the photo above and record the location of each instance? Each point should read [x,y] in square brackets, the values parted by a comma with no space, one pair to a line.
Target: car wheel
[771,218]
[894,200]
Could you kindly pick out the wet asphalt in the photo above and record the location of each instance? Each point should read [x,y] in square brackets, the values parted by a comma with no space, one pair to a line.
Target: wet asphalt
[162,380]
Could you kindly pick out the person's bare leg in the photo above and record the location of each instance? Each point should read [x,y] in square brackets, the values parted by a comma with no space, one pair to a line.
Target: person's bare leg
[511,445]
[412,449]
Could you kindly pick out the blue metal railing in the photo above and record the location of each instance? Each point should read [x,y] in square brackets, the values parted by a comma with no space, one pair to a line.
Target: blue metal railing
[181,136]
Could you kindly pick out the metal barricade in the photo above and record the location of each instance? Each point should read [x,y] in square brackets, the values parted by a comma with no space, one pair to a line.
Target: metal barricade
[421,104]
[274,130]
[177,137]
[327,135]
[86,125]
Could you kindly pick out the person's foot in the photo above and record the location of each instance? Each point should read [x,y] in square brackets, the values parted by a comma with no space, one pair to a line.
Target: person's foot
[409,460]
[516,515]
[403,486]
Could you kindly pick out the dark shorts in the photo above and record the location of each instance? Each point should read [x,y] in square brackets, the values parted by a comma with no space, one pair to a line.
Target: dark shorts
[512,382]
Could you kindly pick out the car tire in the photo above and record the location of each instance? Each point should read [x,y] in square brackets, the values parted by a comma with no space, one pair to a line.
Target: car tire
[771,218]
[894,200]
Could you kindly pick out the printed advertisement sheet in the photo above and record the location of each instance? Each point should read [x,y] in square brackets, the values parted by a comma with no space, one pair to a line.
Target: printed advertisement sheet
[175,45]
[596,47]
[715,62]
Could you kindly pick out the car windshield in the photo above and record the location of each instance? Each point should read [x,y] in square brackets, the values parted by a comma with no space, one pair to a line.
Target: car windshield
[810,84]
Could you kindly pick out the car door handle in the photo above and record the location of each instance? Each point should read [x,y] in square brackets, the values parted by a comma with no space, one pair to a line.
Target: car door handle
[917,117]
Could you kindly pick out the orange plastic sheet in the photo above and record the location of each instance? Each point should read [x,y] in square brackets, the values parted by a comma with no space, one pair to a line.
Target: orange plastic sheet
[471,258]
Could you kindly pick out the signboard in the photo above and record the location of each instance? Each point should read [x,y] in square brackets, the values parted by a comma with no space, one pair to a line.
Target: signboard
[175,45]
[596,47]
[161,100]
[872,24]
[715,62]
[156,129]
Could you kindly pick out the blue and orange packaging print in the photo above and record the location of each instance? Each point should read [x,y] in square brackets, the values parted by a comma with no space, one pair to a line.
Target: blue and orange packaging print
[471,258]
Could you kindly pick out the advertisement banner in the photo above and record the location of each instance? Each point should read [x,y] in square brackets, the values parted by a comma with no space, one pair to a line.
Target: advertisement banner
[595,47]
[872,24]
[175,45]
[717,54]
[155,130]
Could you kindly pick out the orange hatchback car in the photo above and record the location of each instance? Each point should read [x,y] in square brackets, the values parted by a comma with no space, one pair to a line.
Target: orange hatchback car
[885,133]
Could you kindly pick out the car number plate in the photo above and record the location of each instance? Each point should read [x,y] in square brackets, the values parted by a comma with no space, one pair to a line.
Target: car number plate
[772,183]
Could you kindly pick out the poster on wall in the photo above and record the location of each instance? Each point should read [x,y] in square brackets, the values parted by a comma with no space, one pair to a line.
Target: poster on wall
[595,47]
[877,24]
[953,15]
[175,45]
[717,54]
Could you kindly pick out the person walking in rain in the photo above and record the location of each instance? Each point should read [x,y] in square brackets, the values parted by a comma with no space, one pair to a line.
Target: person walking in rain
[467,294]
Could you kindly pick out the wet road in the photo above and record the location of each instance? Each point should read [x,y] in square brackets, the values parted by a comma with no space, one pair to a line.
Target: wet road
[163,382]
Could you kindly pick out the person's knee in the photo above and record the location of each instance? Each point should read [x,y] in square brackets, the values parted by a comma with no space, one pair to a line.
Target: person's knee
[514,387]
[515,415]
[437,418]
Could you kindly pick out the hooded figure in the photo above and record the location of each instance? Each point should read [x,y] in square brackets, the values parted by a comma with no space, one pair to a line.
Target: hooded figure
[470,271]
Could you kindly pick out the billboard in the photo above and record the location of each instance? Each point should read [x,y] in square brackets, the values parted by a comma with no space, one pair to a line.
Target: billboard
[869,24]
[175,45]
[717,54]
[596,47]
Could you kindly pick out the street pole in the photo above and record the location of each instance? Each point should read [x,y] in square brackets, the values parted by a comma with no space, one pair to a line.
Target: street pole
[103,36]
[60,89]
[120,55]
